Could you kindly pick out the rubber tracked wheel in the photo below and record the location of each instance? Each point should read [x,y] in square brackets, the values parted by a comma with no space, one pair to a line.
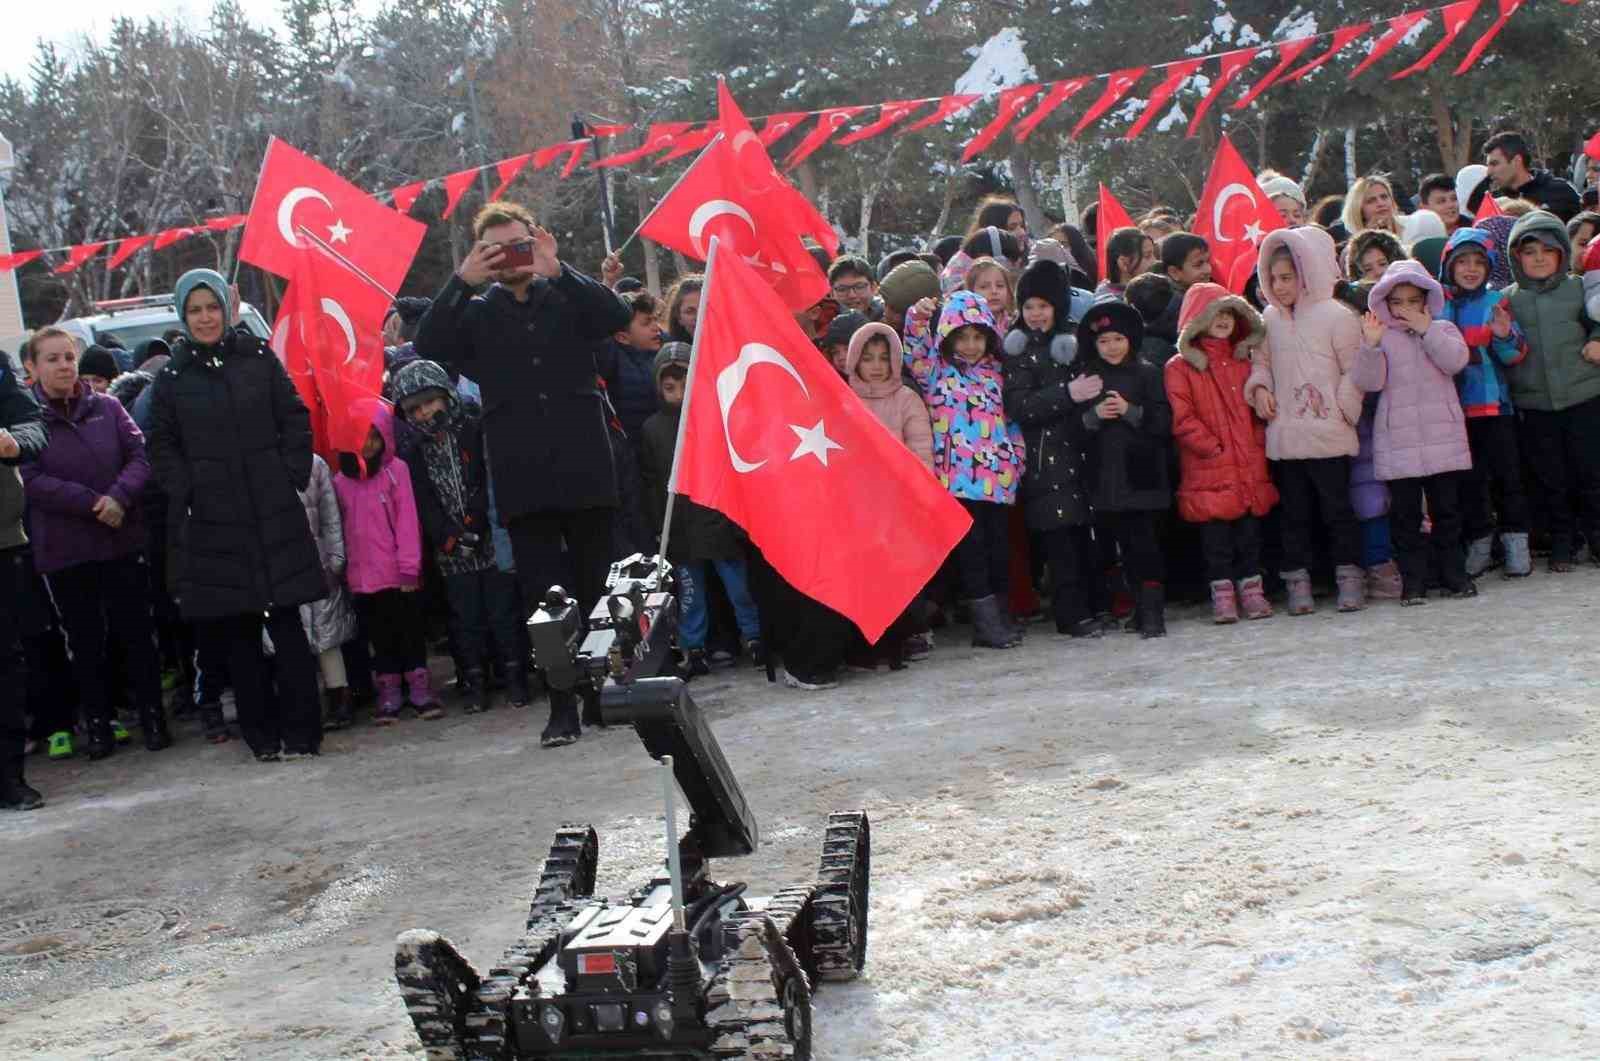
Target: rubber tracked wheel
[758,1006]
[839,907]
[568,871]
[439,988]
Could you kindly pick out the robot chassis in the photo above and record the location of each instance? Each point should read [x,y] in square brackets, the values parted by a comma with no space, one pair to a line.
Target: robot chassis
[682,966]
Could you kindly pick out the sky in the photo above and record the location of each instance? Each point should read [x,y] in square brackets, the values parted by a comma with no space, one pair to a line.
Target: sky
[26,21]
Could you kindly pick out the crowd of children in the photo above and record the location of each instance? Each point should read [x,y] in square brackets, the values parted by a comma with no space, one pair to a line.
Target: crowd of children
[1375,407]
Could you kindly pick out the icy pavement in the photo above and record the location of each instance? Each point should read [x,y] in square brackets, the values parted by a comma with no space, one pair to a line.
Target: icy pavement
[1336,836]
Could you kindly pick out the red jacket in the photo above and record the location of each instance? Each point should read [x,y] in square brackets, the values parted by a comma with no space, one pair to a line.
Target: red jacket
[1222,444]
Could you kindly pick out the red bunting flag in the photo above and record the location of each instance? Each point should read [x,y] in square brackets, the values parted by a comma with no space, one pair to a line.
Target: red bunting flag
[546,155]
[1110,217]
[1488,206]
[222,224]
[1012,100]
[1289,52]
[1117,85]
[76,256]
[168,237]
[9,262]
[296,191]
[690,142]
[829,122]
[405,196]
[659,137]
[1229,66]
[732,190]
[1341,38]
[507,170]
[1234,215]
[127,249]
[1177,74]
[779,126]
[773,439]
[1399,26]
[1507,9]
[580,149]
[1456,16]
[339,320]
[455,186]
[889,114]
[948,107]
[1059,93]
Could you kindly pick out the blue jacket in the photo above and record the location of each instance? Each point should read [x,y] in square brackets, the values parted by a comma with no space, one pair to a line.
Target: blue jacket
[1482,384]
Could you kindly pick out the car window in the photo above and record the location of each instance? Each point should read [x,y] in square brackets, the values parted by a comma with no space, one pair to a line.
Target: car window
[132,335]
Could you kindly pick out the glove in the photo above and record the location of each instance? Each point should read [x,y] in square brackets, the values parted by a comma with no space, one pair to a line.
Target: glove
[1082,388]
[467,545]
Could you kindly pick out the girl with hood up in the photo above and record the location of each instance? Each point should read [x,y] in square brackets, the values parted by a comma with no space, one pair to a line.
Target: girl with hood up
[1301,386]
[1419,438]
[1495,343]
[383,545]
[977,450]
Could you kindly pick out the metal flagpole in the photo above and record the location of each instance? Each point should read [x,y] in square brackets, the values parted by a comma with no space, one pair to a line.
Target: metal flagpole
[688,396]
[664,198]
[342,260]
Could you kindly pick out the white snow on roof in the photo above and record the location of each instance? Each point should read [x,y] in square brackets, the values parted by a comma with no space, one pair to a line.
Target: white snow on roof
[1299,24]
[999,63]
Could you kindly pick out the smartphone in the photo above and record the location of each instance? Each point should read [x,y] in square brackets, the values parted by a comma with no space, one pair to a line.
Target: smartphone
[516,255]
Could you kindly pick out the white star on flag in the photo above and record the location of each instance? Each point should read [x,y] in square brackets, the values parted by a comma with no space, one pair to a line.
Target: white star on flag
[1253,233]
[337,233]
[813,441]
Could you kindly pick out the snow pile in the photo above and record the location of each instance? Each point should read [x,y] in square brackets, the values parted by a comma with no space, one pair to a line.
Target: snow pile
[1000,63]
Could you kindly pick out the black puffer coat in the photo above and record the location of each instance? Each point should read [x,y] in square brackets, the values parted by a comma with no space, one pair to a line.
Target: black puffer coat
[543,413]
[698,533]
[1128,458]
[230,443]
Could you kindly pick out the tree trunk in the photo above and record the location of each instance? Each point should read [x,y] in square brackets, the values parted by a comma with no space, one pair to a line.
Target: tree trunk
[1069,200]
[1349,155]
[652,256]
[1455,144]
[950,183]
[869,197]
[1313,170]
[1022,183]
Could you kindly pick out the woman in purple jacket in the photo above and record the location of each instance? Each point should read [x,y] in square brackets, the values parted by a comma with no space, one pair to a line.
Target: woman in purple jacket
[88,540]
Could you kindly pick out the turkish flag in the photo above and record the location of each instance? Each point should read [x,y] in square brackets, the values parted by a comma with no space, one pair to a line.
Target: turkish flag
[734,191]
[291,350]
[1111,216]
[1235,215]
[772,438]
[296,190]
[338,322]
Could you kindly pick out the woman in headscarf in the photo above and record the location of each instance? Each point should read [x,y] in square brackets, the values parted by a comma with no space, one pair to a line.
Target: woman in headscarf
[230,443]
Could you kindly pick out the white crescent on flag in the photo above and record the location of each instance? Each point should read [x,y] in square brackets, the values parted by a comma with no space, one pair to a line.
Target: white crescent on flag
[1230,192]
[707,211]
[731,380]
[286,211]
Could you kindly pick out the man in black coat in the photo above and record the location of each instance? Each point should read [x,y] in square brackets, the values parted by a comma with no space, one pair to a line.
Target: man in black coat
[1510,163]
[528,342]
[22,438]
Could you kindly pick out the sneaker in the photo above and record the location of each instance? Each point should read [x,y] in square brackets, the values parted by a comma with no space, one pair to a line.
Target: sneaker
[60,745]
[810,684]
[119,732]
[564,726]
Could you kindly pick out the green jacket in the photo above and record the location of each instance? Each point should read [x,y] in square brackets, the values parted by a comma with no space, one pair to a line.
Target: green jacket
[1554,376]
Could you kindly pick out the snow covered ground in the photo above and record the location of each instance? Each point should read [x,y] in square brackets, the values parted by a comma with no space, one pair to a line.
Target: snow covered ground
[1336,836]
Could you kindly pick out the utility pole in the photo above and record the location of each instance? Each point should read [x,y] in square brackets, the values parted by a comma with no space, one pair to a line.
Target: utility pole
[11,326]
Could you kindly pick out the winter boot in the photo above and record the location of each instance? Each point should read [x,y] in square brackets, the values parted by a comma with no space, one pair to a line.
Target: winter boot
[695,664]
[153,721]
[60,745]
[339,708]
[989,629]
[15,793]
[564,726]
[1083,628]
[212,724]
[1352,587]
[421,695]
[1383,581]
[1224,604]
[591,710]
[389,699]
[1153,610]
[919,646]
[101,741]
[811,683]
[1480,555]
[1253,598]
[1414,595]
[473,688]
[757,654]
[517,692]
[1519,562]
[1299,585]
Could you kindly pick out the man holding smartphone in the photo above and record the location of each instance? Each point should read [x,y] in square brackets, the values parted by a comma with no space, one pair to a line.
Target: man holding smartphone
[528,341]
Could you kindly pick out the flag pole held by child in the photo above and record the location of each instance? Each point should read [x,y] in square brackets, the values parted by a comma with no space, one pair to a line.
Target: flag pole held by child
[683,417]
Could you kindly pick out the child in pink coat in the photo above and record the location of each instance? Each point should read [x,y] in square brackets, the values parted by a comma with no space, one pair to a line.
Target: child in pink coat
[383,546]
[872,368]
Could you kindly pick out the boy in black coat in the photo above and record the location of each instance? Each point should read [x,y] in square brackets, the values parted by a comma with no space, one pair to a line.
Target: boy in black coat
[1129,422]
[451,485]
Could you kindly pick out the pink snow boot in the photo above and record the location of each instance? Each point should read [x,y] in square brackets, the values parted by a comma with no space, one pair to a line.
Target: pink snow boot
[389,699]
[1299,586]
[1352,587]
[1254,599]
[1224,605]
[1383,581]
[421,696]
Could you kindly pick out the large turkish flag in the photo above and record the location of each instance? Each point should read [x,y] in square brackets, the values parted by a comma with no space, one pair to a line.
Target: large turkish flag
[775,440]
[335,334]
[296,191]
[1235,215]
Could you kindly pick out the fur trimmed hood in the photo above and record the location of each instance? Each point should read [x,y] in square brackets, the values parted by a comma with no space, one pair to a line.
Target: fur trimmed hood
[1201,304]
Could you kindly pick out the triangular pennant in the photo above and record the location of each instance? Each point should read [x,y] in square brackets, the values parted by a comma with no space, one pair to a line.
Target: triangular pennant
[689,142]
[1341,39]
[455,186]
[127,249]
[1117,85]
[949,107]
[507,171]
[1288,53]
[546,155]
[1456,16]
[1012,100]
[659,137]
[18,260]
[76,256]
[599,132]
[1230,65]
[1479,46]
[1177,74]
[579,149]
[829,122]
[227,221]
[778,126]
[889,114]
[1399,26]
[1112,216]
[405,196]
[1059,93]
[165,239]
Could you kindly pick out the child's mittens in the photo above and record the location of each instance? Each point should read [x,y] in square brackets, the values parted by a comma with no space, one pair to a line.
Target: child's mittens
[1085,387]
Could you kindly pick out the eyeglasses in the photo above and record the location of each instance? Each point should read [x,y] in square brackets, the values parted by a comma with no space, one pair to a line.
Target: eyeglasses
[861,287]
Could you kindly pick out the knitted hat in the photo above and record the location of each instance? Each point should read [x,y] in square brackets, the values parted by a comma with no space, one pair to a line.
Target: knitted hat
[415,378]
[97,361]
[909,283]
[671,354]
[842,327]
[1278,184]
[1110,315]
